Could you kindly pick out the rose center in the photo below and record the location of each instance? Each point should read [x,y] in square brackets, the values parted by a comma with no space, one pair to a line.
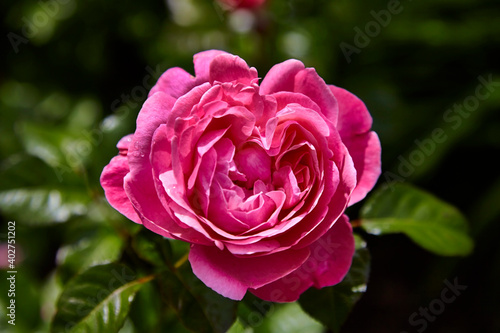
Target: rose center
[254,163]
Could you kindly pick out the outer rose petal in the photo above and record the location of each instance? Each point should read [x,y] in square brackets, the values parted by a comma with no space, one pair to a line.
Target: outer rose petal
[354,117]
[329,262]
[202,62]
[228,68]
[365,151]
[139,184]
[292,76]
[281,77]
[364,146]
[309,83]
[231,276]
[112,183]
[175,82]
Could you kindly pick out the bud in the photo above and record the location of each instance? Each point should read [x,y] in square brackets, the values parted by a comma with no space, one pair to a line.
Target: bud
[234,4]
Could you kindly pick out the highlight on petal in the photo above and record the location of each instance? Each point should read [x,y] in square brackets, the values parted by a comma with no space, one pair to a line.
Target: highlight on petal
[255,163]
[228,68]
[124,143]
[309,83]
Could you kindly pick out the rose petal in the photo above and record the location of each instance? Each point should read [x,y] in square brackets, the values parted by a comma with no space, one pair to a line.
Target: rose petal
[229,68]
[152,114]
[254,163]
[309,83]
[124,143]
[364,146]
[284,98]
[182,109]
[253,217]
[161,156]
[281,77]
[202,61]
[231,276]
[139,185]
[329,262]
[307,118]
[292,76]
[174,82]
[365,151]
[346,182]
[354,117]
[112,183]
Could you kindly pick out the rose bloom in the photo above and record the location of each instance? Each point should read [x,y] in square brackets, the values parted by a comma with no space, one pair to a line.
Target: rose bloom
[255,177]
[243,3]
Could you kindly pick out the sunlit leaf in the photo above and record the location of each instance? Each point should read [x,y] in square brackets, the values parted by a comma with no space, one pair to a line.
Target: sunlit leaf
[50,293]
[42,205]
[289,318]
[43,142]
[64,149]
[98,300]
[280,318]
[239,327]
[101,247]
[428,221]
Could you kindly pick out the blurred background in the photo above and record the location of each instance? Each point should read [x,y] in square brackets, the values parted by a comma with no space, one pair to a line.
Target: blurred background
[74,73]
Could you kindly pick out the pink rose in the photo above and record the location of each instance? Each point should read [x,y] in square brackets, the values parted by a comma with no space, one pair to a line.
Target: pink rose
[256,178]
[242,3]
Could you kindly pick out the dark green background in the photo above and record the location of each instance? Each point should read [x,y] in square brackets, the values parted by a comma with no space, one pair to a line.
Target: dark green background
[64,66]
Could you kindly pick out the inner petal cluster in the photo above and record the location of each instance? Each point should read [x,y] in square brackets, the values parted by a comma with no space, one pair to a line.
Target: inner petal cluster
[242,169]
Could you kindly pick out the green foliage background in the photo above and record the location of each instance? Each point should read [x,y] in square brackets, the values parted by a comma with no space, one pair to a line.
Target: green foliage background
[71,86]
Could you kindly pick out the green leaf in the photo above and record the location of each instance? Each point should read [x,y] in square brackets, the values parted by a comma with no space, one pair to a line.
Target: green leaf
[66,150]
[100,247]
[252,310]
[98,300]
[331,306]
[239,327]
[84,115]
[44,142]
[42,205]
[198,307]
[23,170]
[152,248]
[431,223]
[290,318]
[49,294]
[281,318]
[146,312]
